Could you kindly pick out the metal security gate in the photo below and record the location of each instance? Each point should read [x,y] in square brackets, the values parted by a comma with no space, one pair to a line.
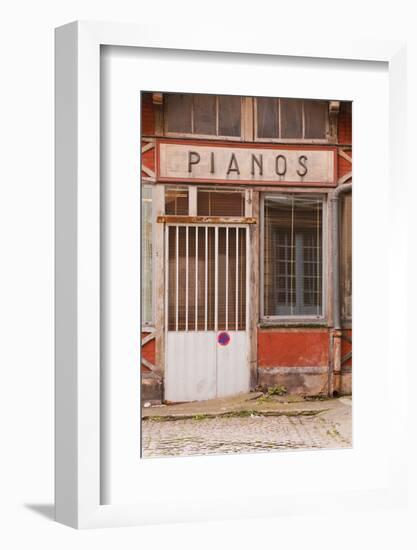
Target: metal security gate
[207,295]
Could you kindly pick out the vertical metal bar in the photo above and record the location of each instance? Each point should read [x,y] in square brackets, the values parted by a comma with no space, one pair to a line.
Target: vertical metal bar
[299,273]
[176,277]
[186,276]
[196,277]
[292,260]
[237,280]
[168,281]
[206,280]
[227,278]
[216,278]
[247,296]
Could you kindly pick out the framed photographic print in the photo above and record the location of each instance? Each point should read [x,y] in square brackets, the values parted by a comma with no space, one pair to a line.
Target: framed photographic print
[256,284]
[219,284]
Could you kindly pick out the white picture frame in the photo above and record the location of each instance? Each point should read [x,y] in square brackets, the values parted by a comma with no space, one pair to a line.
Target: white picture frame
[80,414]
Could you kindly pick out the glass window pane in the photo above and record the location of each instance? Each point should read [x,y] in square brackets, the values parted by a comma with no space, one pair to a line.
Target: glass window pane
[178,112]
[229,115]
[293,256]
[146,287]
[211,202]
[176,201]
[291,118]
[267,117]
[315,113]
[205,114]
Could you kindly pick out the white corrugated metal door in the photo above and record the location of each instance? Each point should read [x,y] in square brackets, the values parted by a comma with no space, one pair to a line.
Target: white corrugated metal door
[207,294]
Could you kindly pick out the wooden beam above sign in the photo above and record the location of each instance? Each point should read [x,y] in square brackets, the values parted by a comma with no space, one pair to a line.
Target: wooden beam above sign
[206,219]
[206,162]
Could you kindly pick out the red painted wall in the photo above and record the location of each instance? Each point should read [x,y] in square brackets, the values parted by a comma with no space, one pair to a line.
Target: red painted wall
[344,135]
[148,119]
[148,159]
[148,352]
[345,125]
[293,348]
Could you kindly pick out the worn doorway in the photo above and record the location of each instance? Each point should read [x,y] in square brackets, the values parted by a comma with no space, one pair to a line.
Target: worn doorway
[206,311]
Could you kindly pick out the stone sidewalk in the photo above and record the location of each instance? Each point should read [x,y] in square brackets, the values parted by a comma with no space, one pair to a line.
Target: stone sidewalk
[246,423]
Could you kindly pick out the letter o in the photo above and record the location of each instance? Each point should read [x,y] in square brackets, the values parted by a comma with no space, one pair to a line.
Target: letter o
[283,171]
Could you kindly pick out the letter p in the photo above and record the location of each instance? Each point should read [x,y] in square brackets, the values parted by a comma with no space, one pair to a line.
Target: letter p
[193,158]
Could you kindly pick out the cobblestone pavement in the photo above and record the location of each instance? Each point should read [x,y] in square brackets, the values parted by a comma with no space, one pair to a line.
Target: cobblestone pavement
[186,437]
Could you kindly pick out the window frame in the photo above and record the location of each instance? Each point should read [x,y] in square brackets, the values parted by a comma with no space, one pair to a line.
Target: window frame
[192,196]
[346,320]
[148,326]
[326,140]
[192,135]
[293,319]
[177,186]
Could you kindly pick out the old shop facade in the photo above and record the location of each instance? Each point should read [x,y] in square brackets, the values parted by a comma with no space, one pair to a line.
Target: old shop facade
[246,246]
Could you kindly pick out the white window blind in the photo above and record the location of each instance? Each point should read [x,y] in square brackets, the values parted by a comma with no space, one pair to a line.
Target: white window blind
[220,202]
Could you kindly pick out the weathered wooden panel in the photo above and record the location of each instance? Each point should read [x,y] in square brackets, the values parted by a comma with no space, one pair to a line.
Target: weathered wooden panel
[230,220]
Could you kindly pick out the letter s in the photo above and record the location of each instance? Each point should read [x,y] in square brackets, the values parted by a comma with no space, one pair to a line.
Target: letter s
[302,162]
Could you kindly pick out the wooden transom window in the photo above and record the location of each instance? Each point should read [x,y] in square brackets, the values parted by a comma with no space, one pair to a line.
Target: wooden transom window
[203,115]
[220,202]
[176,200]
[292,256]
[291,119]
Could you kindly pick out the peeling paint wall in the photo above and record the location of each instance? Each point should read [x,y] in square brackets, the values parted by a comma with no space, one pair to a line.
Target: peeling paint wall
[293,348]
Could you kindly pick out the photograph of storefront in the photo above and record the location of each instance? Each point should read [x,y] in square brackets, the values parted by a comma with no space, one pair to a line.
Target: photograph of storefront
[246,272]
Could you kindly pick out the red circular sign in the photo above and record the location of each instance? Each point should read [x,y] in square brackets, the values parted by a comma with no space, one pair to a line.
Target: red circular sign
[223,338]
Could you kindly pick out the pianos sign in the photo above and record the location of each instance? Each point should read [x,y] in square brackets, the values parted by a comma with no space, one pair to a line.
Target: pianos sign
[246,164]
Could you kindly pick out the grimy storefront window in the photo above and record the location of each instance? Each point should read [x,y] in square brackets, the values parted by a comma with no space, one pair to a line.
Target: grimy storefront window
[203,115]
[292,261]
[291,119]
